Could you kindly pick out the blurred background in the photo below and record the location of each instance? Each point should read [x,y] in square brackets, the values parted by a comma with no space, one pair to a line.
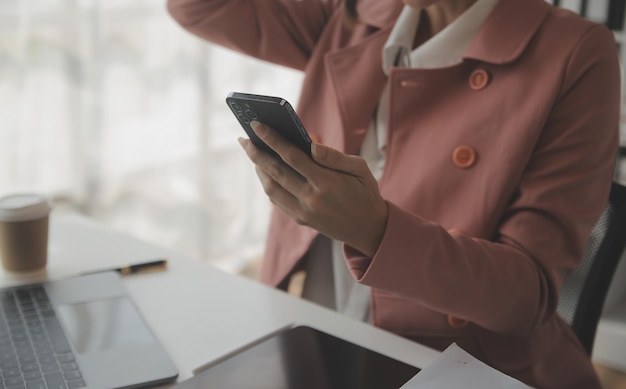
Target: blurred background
[116,112]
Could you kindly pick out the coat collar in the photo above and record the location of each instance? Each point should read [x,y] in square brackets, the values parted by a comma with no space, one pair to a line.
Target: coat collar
[507,31]
[502,39]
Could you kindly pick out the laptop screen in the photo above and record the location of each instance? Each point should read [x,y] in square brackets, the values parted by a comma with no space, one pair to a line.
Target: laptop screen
[301,358]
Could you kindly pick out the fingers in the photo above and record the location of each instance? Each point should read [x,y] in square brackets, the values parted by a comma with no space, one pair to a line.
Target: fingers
[336,160]
[278,180]
[322,155]
[273,173]
[278,195]
[289,153]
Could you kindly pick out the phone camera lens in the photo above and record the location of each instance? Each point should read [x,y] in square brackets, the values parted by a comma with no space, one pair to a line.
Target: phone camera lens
[243,118]
[251,114]
[236,107]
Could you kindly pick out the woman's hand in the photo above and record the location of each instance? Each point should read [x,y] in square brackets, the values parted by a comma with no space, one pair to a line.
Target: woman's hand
[334,193]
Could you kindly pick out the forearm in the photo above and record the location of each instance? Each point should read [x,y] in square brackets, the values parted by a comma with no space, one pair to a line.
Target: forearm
[283,32]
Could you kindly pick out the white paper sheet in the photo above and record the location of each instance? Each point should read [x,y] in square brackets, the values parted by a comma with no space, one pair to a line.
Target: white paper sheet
[455,368]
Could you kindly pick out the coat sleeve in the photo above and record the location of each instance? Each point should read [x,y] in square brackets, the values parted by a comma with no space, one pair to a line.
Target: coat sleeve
[510,284]
[279,31]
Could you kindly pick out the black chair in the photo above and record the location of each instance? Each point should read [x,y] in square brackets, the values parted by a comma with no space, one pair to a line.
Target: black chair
[584,291]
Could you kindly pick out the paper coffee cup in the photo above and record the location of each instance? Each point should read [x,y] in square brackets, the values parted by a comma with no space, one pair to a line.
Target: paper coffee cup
[24,232]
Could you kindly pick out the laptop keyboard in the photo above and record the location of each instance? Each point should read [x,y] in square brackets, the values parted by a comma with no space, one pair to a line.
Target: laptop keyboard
[34,351]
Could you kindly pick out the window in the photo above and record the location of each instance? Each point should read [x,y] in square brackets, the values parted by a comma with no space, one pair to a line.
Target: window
[115,111]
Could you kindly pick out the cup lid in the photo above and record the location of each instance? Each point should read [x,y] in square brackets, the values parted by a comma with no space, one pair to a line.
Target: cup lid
[23,207]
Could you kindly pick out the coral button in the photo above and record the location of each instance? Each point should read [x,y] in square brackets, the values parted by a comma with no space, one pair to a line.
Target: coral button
[464,157]
[479,79]
[456,322]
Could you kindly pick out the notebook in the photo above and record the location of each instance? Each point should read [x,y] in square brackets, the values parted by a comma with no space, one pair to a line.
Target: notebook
[301,358]
[80,332]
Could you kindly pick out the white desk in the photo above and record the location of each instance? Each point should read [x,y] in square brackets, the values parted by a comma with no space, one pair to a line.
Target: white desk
[197,311]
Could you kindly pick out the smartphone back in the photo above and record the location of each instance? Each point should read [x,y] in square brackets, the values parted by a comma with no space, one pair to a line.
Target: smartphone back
[275,112]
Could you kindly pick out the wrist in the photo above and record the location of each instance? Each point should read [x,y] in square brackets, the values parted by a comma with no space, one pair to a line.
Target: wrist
[375,231]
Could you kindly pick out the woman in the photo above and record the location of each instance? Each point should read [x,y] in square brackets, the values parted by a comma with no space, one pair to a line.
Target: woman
[465,151]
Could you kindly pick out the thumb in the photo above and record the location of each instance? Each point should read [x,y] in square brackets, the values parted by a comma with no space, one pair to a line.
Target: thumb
[335,159]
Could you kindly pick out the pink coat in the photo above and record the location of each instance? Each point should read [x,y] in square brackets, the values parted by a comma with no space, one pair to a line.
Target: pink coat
[496,168]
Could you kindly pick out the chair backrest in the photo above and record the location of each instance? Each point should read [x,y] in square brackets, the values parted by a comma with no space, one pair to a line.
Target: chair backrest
[584,291]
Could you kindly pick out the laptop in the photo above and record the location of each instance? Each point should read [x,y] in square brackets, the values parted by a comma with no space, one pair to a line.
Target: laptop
[303,357]
[80,332]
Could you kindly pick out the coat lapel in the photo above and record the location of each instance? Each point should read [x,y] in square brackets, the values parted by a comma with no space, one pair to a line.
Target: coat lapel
[379,13]
[358,81]
[356,71]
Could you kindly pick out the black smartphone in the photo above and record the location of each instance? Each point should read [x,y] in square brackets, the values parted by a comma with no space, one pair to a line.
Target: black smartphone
[275,112]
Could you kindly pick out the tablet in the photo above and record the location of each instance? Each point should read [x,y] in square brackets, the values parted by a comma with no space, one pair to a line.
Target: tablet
[300,358]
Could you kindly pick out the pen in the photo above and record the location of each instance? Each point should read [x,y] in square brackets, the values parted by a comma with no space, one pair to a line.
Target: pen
[156,265]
